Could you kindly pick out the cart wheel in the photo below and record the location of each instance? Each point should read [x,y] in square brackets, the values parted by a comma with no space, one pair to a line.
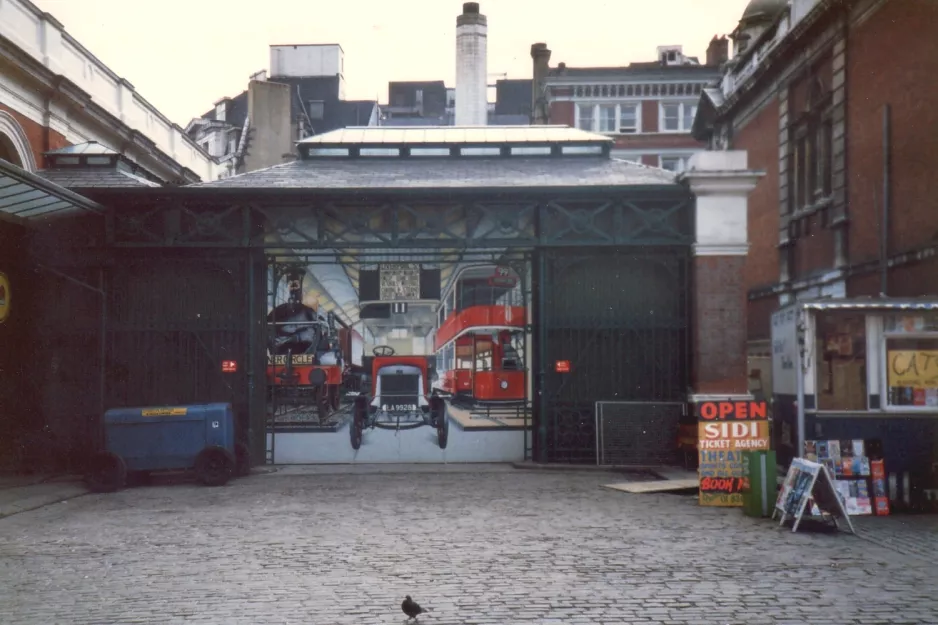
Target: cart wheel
[357,426]
[439,419]
[108,473]
[242,460]
[442,433]
[214,466]
[437,411]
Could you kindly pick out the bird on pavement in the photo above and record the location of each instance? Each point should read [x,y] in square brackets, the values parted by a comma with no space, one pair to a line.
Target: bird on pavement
[411,608]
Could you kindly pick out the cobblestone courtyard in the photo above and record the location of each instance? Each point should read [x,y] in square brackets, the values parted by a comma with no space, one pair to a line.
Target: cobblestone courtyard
[497,546]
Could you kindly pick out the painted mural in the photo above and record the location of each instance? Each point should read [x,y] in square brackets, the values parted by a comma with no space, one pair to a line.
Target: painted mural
[429,364]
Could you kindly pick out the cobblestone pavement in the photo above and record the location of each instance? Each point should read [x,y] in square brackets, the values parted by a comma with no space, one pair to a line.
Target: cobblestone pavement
[499,547]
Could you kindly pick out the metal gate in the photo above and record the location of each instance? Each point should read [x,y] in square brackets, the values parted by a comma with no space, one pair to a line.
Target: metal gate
[171,325]
[612,326]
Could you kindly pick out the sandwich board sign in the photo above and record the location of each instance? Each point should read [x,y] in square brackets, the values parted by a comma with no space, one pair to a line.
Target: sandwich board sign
[806,482]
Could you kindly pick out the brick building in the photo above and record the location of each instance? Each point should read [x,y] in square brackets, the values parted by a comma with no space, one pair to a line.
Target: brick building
[835,102]
[647,107]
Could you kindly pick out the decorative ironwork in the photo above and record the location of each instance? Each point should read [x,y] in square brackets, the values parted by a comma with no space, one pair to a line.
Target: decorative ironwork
[573,220]
[620,319]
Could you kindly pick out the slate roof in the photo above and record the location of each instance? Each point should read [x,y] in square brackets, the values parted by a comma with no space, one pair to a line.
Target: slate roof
[94,177]
[376,173]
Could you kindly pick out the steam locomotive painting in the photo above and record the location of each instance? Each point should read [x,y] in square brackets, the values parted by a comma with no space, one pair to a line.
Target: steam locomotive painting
[311,357]
[479,339]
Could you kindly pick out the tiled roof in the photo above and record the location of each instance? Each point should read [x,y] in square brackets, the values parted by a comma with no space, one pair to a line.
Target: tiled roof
[448,173]
[93,177]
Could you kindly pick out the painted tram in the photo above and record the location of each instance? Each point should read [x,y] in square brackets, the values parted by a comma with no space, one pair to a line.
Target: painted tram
[479,338]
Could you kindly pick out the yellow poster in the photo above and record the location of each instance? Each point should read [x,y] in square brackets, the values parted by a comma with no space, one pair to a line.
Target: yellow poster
[164,412]
[914,368]
[4,297]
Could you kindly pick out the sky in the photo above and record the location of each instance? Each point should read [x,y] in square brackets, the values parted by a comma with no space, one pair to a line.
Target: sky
[183,55]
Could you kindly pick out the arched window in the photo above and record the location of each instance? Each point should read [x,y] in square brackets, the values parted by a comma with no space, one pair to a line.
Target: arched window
[14,146]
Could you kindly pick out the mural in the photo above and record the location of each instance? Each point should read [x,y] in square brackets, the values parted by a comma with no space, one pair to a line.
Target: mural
[425,371]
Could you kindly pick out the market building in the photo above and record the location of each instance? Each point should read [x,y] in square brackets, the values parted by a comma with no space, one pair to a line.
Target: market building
[843,234]
[175,294]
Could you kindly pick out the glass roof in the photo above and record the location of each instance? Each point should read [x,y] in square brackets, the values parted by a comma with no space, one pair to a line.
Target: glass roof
[89,147]
[26,196]
[453,135]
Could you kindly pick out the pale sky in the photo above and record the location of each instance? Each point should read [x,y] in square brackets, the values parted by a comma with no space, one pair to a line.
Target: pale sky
[183,55]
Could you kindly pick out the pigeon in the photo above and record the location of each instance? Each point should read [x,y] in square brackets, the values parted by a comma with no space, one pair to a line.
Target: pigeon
[411,608]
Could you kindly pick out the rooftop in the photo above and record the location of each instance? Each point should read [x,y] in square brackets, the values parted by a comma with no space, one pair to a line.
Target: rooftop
[450,174]
[454,136]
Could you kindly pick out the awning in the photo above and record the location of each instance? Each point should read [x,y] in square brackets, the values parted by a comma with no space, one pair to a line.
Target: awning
[26,196]
[878,304]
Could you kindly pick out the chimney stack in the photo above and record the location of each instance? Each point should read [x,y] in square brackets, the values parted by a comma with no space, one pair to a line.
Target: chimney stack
[718,52]
[471,67]
[540,55]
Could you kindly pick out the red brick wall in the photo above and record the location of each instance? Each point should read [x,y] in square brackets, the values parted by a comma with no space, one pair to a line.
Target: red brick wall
[563,113]
[719,308]
[759,137]
[904,78]
[41,139]
[650,159]
[650,116]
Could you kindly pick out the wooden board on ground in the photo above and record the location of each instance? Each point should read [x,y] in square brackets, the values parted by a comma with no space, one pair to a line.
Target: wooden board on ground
[657,486]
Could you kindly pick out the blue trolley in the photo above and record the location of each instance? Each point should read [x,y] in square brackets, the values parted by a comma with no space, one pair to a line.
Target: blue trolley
[200,437]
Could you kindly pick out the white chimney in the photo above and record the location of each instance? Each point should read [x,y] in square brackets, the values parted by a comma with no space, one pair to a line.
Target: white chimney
[471,67]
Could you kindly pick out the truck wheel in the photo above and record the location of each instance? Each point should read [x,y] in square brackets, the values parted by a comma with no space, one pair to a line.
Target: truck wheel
[107,473]
[214,466]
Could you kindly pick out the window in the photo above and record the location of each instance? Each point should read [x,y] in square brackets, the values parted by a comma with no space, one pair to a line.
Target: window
[840,361]
[316,109]
[911,361]
[398,333]
[611,118]
[673,163]
[207,147]
[810,160]
[607,118]
[585,117]
[677,116]
[629,118]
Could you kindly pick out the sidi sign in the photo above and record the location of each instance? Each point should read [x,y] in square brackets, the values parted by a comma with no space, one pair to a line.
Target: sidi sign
[725,429]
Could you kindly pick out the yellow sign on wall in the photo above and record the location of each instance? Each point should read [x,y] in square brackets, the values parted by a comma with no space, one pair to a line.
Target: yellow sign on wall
[914,368]
[4,297]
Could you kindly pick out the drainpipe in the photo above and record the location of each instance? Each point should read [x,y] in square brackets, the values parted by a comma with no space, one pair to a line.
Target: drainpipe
[884,231]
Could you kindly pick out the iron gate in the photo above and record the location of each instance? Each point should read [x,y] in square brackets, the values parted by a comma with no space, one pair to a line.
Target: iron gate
[171,323]
[612,325]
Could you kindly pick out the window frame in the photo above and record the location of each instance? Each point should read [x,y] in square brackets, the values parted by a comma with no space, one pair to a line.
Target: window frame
[888,334]
[811,156]
[681,115]
[596,108]
[682,160]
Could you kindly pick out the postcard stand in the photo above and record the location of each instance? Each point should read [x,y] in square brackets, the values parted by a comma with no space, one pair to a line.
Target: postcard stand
[806,481]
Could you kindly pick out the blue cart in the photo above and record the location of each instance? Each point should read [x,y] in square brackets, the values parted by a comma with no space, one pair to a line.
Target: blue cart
[165,438]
